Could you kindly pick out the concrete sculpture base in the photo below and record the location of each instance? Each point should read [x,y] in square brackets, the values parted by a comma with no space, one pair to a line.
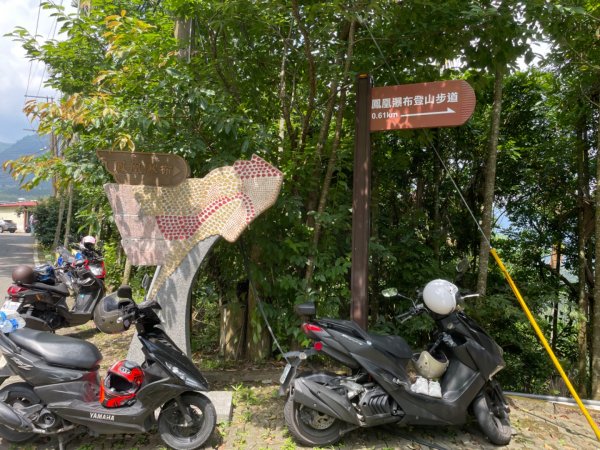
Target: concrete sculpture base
[174,297]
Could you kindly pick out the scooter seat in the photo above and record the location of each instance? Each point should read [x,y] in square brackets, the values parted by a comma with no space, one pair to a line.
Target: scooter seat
[58,350]
[60,289]
[395,345]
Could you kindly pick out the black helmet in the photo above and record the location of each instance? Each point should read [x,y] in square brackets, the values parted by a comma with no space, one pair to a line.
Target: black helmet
[23,274]
[108,315]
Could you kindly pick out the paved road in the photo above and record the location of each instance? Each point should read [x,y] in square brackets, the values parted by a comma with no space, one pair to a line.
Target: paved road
[15,249]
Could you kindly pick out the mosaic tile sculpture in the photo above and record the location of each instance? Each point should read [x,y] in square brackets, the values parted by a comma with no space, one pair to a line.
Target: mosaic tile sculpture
[174,227]
[160,225]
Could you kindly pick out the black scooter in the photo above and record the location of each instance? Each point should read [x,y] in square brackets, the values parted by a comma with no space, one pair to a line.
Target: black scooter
[59,395]
[44,305]
[380,388]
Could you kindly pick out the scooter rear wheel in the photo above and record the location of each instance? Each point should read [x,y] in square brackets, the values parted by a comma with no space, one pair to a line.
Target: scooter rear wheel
[18,395]
[492,415]
[172,426]
[310,427]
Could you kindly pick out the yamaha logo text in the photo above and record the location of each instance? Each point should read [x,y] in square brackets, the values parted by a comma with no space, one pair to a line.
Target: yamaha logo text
[102,416]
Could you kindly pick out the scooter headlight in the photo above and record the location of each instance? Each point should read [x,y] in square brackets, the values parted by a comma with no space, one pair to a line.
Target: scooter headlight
[186,378]
[96,270]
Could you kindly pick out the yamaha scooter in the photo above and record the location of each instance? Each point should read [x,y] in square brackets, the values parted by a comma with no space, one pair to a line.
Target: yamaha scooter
[381,386]
[60,392]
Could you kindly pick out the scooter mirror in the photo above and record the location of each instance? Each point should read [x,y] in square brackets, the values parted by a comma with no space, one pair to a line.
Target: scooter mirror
[124,291]
[390,292]
[146,282]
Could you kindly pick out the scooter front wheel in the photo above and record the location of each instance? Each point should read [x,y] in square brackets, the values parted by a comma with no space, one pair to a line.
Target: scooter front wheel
[187,424]
[491,412]
[310,427]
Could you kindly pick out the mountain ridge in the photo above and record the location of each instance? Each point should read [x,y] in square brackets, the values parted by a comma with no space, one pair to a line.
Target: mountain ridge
[29,145]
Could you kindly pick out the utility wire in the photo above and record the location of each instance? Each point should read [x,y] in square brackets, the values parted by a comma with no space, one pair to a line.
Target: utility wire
[427,135]
[52,32]
[37,23]
[379,49]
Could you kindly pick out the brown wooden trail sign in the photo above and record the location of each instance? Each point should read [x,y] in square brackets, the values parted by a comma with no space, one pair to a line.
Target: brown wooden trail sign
[422,105]
[150,169]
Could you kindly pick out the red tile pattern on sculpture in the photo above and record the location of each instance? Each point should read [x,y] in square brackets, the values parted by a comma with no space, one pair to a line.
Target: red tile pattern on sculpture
[182,227]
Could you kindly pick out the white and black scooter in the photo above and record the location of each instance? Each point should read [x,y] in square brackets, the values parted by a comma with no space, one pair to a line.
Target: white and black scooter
[456,376]
[61,394]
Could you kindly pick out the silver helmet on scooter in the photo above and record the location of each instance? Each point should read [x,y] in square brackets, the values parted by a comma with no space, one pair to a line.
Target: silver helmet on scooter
[440,296]
[430,366]
[110,311]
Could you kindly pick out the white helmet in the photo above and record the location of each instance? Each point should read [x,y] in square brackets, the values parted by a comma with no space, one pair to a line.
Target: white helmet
[440,296]
[430,367]
[88,240]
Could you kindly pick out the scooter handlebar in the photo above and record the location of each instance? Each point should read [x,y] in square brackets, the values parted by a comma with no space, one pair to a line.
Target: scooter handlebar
[413,311]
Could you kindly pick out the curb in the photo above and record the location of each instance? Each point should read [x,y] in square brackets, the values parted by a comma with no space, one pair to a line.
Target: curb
[591,404]
[36,256]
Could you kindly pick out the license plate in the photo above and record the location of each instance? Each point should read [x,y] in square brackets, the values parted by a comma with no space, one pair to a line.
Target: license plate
[285,373]
[10,305]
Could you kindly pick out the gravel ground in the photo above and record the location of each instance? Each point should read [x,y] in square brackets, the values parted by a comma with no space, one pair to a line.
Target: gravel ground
[257,422]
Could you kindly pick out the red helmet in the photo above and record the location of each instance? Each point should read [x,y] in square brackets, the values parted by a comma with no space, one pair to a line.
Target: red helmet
[121,384]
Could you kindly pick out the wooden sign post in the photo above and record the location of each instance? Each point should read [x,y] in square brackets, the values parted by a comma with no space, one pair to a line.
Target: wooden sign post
[422,105]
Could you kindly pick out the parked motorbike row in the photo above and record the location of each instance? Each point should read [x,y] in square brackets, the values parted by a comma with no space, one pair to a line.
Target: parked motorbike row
[41,295]
[62,393]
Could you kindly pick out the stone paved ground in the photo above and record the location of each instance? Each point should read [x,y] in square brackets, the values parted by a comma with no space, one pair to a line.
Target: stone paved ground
[257,422]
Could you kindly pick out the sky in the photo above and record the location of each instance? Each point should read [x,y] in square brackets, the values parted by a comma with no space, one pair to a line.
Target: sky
[18,77]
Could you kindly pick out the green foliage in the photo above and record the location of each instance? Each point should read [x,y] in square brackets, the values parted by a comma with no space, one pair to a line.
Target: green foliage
[46,213]
[280,86]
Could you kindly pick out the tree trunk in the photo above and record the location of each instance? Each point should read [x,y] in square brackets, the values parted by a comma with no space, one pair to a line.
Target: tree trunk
[490,181]
[595,313]
[69,214]
[333,155]
[126,272]
[285,121]
[258,340]
[312,74]
[437,221]
[233,321]
[183,34]
[555,262]
[583,302]
[61,213]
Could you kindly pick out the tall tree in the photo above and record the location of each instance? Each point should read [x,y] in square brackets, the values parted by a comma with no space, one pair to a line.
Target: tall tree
[501,39]
[573,25]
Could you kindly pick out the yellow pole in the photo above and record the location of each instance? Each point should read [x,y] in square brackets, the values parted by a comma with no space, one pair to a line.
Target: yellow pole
[545,343]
